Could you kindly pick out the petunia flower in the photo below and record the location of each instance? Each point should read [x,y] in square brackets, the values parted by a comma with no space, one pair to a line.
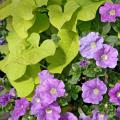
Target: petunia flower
[20,108]
[93,91]
[50,112]
[99,116]
[68,116]
[107,56]
[44,75]
[37,102]
[51,89]
[12,92]
[90,44]
[83,63]
[114,94]
[109,12]
[83,116]
[4,99]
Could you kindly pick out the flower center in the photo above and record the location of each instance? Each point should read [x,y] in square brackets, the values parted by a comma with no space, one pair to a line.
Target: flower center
[101,116]
[96,91]
[48,110]
[118,94]
[93,45]
[112,12]
[37,100]
[53,91]
[104,57]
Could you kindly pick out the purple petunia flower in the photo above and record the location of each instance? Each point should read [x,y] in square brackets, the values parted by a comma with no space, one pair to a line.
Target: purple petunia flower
[99,116]
[51,112]
[44,75]
[83,63]
[51,89]
[37,102]
[114,94]
[12,92]
[118,112]
[68,116]
[93,91]
[83,116]
[107,56]
[90,44]
[4,99]
[109,12]
[20,109]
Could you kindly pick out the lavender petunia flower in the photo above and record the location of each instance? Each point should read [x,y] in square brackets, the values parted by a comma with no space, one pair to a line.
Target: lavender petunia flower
[109,12]
[68,116]
[44,75]
[51,89]
[37,102]
[83,116]
[118,112]
[93,91]
[90,44]
[107,56]
[4,99]
[51,112]
[12,92]
[114,94]
[83,63]
[99,116]
[20,109]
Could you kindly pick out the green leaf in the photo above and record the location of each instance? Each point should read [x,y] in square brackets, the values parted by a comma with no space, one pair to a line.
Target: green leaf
[25,85]
[41,23]
[14,70]
[21,8]
[4,49]
[34,40]
[34,55]
[50,2]
[40,3]
[57,17]
[67,50]
[21,26]
[88,9]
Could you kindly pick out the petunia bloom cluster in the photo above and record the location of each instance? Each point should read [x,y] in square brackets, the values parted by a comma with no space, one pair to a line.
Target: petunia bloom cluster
[91,46]
[44,103]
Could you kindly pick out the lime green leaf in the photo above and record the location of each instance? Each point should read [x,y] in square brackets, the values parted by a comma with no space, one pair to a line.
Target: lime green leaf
[67,51]
[24,8]
[21,26]
[71,25]
[41,2]
[34,55]
[88,9]
[21,8]
[5,11]
[57,17]
[25,85]
[14,70]
[41,23]
[50,2]
[4,49]
[34,40]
